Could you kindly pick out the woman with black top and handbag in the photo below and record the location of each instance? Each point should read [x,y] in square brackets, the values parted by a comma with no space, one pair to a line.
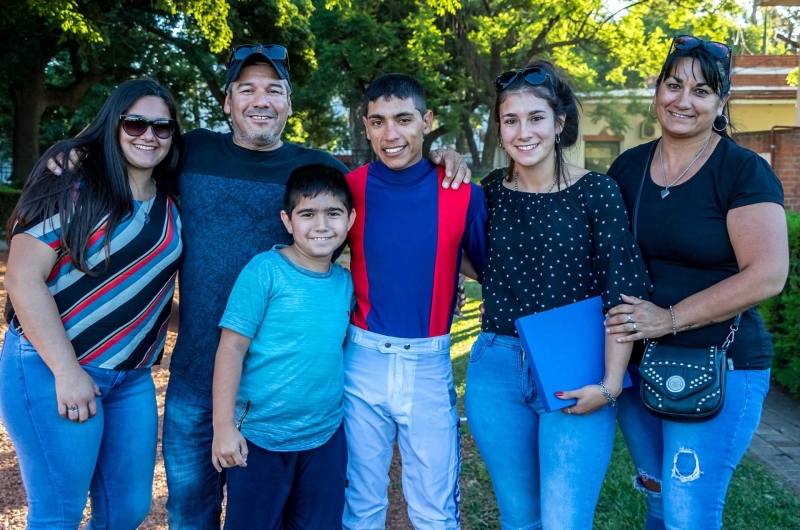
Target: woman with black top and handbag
[708,217]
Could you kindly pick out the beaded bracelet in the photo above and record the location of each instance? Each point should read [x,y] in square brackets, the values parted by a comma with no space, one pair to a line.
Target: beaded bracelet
[674,327]
[611,399]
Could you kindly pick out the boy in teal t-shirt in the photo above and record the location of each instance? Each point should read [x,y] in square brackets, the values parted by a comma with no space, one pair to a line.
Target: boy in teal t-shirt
[278,377]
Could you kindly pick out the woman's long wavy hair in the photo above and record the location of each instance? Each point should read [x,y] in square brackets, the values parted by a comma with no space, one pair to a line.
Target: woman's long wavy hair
[94,191]
[562,100]
[717,73]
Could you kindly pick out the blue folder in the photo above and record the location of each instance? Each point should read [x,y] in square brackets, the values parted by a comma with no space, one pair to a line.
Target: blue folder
[565,348]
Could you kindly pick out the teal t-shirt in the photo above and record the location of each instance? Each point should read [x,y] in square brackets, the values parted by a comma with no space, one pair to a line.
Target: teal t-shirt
[292,374]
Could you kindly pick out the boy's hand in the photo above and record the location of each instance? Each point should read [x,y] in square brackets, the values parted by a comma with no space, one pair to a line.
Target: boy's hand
[228,449]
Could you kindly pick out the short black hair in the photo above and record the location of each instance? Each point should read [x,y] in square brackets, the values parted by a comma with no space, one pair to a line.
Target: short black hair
[307,182]
[400,86]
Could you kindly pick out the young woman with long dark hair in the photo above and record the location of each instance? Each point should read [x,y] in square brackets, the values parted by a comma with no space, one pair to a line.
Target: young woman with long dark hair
[91,273]
[558,234]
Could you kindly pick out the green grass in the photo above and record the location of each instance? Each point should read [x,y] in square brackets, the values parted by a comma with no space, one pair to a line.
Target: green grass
[756,500]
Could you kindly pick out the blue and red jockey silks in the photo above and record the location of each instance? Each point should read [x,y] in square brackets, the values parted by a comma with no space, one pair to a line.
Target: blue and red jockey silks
[406,246]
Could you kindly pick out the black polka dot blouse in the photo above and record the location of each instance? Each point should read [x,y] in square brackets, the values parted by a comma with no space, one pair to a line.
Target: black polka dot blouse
[548,250]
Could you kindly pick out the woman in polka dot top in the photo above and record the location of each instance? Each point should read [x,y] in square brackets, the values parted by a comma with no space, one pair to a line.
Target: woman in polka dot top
[558,234]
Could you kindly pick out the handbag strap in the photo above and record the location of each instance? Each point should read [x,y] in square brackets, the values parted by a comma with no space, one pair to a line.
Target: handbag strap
[734,329]
[738,319]
[639,193]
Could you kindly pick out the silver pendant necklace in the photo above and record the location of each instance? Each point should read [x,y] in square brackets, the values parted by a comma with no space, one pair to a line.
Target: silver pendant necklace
[148,202]
[665,191]
[516,180]
[150,207]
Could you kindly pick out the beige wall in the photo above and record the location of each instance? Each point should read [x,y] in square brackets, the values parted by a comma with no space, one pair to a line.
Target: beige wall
[750,116]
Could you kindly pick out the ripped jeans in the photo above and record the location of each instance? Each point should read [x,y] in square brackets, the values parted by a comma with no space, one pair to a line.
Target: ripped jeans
[693,462]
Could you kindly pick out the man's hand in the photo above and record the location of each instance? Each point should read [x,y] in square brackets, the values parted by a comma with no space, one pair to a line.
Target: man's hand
[455,169]
[56,167]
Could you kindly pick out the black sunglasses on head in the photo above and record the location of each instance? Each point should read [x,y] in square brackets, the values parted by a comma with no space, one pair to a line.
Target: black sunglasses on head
[690,42]
[273,51]
[533,76]
[135,125]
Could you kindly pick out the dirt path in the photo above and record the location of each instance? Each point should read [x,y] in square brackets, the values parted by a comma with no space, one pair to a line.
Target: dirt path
[13,507]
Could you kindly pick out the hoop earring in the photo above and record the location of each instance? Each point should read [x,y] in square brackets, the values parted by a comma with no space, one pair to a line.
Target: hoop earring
[713,125]
[558,138]
[650,112]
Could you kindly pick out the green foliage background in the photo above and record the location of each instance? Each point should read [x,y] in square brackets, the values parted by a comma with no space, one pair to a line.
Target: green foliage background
[782,316]
[455,47]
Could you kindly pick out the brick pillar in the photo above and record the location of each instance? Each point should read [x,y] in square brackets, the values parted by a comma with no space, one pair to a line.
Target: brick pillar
[787,165]
[785,159]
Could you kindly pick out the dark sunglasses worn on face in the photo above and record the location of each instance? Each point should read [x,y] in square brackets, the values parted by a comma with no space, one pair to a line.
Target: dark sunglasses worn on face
[135,125]
[533,76]
[273,51]
[690,42]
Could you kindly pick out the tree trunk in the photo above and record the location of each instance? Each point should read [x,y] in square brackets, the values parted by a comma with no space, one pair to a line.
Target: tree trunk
[470,139]
[359,145]
[461,144]
[489,144]
[29,102]
[434,135]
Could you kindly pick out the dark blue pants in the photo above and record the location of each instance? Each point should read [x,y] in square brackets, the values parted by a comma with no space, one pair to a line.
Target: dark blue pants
[300,490]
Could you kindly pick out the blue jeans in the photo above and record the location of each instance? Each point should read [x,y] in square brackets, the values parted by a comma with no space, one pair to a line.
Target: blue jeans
[111,455]
[195,487]
[693,462]
[546,468]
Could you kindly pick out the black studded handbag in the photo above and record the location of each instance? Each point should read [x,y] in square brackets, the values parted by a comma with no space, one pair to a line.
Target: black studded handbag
[685,384]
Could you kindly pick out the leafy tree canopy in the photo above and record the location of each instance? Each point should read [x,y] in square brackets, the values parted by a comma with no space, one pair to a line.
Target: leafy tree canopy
[63,56]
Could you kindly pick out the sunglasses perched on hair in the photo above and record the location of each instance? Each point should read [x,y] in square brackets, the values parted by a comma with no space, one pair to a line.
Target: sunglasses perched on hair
[135,125]
[533,76]
[690,42]
[273,51]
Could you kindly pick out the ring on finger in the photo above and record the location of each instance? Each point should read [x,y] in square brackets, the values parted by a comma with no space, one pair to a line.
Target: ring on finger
[629,320]
[72,408]
[569,411]
[634,326]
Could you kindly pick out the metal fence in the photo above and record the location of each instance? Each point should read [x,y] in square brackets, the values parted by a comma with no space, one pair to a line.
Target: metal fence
[5,172]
